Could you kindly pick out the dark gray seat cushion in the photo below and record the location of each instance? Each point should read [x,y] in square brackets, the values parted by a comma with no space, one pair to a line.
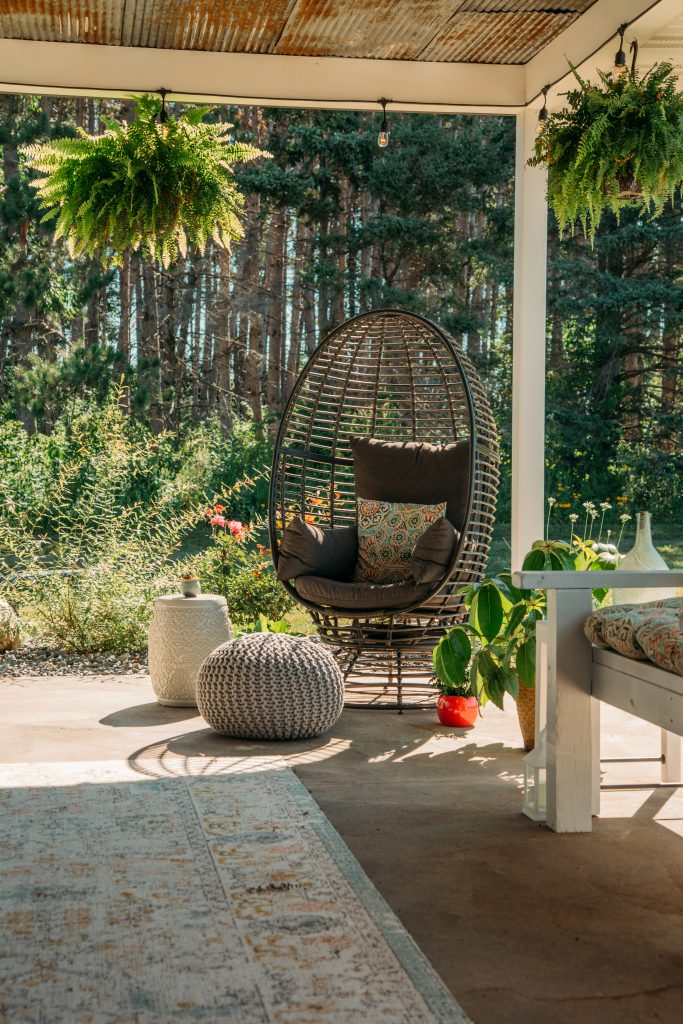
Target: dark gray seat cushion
[359,596]
[310,549]
[433,552]
[414,471]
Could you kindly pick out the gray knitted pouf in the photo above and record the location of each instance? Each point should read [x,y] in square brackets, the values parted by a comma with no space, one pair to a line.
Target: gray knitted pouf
[270,686]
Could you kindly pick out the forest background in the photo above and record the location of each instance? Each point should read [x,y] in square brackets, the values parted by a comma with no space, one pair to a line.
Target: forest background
[202,356]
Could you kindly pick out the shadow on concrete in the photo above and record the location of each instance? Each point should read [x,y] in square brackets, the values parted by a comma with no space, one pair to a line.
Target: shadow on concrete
[147,714]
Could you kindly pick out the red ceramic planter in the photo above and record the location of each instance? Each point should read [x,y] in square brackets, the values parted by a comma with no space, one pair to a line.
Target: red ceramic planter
[461,712]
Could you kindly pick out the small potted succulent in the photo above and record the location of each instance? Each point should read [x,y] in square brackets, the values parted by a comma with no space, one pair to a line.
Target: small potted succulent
[457,704]
[190,585]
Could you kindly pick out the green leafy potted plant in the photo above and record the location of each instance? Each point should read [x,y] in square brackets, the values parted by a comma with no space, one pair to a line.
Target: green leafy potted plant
[497,642]
[615,144]
[494,652]
[457,704]
[157,183]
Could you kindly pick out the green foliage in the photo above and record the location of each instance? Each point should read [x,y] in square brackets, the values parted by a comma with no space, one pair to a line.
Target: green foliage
[249,586]
[83,564]
[151,184]
[613,146]
[211,461]
[495,650]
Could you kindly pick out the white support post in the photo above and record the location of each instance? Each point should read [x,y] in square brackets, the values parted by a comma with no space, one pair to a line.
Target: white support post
[572,715]
[671,754]
[528,343]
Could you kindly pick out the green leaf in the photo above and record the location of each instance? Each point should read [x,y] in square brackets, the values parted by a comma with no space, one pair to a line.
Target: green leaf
[451,659]
[525,661]
[459,645]
[534,561]
[515,619]
[488,611]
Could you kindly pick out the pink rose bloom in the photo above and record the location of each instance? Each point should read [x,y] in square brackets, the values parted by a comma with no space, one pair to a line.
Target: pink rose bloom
[217,520]
[236,528]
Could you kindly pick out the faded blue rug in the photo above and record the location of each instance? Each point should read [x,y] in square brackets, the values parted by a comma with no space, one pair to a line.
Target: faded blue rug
[226,899]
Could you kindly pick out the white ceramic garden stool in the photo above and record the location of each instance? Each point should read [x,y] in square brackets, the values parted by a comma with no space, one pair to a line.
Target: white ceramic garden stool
[182,634]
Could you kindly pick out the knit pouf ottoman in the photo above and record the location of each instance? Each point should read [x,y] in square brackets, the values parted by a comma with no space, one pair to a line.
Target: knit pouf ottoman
[270,686]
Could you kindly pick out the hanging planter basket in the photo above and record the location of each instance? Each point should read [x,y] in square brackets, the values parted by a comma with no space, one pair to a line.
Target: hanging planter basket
[616,144]
[156,184]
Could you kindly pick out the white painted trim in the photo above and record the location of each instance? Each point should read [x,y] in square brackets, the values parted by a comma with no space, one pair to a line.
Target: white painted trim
[572,715]
[626,689]
[672,753]
[647,670]
[622,578]
[528,344]
[264,79]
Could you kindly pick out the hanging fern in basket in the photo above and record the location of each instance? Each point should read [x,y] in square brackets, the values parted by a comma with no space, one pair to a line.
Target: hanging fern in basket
[615,145]
[155,185]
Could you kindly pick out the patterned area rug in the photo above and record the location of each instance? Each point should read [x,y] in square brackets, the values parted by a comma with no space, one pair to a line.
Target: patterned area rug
[226,899]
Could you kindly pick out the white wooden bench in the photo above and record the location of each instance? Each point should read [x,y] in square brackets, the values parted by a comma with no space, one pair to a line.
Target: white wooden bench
[580,675]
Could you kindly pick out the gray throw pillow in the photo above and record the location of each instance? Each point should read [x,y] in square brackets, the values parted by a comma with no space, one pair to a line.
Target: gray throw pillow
[415,472]
[433,552]
[310,550]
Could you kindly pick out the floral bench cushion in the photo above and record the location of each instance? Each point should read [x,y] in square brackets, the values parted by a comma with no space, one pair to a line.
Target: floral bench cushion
[645,632]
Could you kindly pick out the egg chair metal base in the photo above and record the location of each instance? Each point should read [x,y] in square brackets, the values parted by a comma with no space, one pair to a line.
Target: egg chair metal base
[386,679]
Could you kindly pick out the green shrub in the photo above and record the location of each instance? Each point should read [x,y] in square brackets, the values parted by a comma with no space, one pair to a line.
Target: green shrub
[233,565]
[253,590]
[84,563]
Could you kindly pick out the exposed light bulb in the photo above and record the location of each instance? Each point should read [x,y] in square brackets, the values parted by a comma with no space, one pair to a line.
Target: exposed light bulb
[383,137]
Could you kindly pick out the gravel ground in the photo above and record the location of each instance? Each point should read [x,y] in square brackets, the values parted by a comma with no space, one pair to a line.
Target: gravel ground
[33,660]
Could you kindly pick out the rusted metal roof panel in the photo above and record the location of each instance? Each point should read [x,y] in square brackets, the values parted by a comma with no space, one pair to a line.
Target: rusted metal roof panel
[385,29]
[230,26]
[487,38]
[62,21]
[481,31]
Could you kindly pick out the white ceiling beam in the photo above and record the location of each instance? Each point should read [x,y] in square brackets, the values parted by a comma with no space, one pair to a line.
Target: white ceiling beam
[270,80]
[591,43]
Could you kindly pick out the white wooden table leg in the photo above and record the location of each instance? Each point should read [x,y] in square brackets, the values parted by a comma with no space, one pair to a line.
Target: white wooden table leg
[571,714]
[597,774]
[542,640]
[671,753]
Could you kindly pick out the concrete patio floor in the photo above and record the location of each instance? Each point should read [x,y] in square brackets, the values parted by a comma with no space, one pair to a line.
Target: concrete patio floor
[524,926]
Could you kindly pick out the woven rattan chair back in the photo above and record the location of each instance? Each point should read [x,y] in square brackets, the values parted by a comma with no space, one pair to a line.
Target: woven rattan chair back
[396,376]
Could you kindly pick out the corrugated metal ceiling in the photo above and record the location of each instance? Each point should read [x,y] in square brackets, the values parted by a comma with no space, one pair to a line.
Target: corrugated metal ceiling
[475,31]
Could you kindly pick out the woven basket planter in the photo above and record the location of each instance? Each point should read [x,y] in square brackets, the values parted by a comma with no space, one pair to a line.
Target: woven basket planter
[526,712]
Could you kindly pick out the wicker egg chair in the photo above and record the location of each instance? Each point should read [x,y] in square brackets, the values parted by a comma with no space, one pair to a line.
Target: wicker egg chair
[394,376]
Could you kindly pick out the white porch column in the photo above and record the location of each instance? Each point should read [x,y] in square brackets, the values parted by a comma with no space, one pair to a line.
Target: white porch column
[528,341]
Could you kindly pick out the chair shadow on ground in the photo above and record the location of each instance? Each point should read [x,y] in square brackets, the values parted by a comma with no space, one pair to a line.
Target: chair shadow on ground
[147,714]
[341,752]
[205,752]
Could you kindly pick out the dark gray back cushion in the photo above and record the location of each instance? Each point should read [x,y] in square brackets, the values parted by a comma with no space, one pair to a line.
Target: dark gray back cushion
[433,552]
[307,549]
[414,471]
